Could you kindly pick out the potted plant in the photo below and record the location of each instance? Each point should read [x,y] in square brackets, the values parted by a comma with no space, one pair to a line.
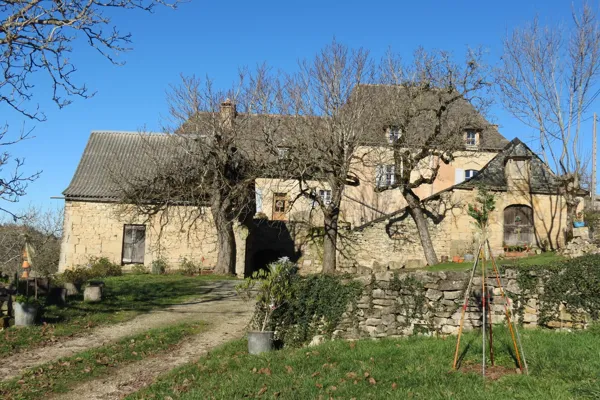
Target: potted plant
[26,309]
[271,288]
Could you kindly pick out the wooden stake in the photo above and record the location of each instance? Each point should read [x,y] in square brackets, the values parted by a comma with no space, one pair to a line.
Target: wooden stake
[465,303]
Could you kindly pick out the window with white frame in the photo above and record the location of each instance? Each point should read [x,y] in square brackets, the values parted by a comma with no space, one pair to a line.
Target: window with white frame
[471,137]
[469,173]
[385,175]
[325,196]
[394,134]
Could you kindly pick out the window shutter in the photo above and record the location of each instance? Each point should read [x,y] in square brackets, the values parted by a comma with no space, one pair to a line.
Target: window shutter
[459,175]
[379,176]
[258,199]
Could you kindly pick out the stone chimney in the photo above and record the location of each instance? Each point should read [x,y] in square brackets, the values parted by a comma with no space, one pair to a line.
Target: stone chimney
[228,113]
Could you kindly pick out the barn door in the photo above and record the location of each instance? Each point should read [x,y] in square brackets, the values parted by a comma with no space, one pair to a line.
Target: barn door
[518,225]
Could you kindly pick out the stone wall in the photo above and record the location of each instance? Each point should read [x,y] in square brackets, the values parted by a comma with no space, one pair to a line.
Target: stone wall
[406,303]
[96,229]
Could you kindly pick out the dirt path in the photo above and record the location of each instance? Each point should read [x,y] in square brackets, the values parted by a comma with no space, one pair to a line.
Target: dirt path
[226,313]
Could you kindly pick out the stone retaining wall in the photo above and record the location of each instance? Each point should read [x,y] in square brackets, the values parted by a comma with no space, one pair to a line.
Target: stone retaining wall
[401,304]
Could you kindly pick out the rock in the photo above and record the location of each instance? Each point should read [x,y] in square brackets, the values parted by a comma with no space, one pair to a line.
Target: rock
[451,285]
[378,294]
[453,295]
[433,294]
[317,340]
[388,319]
[450,329]
[373,321]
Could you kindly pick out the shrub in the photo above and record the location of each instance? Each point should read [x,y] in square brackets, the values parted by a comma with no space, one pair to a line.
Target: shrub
[159,266]
[139,269]
[295,307]
[76,275]
[96,268]
[103,267]
[189,267]
[275,288]
[29,300]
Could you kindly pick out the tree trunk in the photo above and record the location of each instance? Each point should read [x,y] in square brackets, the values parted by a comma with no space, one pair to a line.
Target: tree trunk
[571,211]
[330,242]
[416,212]
[225,243]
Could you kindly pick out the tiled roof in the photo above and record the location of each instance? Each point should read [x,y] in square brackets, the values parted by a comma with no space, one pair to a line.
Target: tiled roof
[109,155]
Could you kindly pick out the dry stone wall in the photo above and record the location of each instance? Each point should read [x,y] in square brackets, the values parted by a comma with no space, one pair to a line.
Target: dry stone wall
[401,304]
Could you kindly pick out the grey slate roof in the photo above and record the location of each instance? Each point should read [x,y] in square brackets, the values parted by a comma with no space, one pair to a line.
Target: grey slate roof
[492,176]
[384,96]
[109,155]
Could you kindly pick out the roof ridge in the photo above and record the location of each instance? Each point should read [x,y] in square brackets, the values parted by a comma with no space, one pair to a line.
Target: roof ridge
[108,132]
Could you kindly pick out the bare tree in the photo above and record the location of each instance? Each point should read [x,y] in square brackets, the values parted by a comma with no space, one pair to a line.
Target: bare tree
[210,157]
[330,119]
[427,107]
[37,36]
[548,80]
[42,230]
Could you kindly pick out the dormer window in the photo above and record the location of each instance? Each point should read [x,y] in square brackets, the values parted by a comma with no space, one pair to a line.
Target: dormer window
[471,138]
[394,133]
[283,152]
[469,173]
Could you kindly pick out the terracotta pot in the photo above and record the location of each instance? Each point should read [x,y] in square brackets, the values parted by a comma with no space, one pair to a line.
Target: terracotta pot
[456,259]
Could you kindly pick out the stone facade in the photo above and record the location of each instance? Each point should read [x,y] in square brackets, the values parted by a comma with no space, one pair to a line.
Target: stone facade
[364,203]
[401,304]
[96,229]
[393,242]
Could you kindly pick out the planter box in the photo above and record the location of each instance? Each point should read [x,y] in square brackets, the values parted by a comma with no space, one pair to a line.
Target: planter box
[25,314]
[92,294]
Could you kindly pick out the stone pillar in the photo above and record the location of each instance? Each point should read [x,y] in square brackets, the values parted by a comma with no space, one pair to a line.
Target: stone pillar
[241,235]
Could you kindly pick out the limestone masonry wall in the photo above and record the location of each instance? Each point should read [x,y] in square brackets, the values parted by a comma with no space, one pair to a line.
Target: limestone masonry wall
[96,229]
[406,303]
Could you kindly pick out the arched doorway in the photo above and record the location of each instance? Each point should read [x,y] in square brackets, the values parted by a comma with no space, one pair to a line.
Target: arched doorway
[518,225]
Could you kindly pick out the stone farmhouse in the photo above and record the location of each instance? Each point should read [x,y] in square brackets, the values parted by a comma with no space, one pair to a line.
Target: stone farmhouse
[377,231]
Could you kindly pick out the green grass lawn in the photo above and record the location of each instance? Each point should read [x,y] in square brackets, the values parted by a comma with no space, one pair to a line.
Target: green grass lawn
[61,375]
[124,298]
[538,259]
[562,366]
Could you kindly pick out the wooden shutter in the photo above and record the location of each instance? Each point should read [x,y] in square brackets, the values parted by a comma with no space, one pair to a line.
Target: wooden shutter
[379,176]
[459,175]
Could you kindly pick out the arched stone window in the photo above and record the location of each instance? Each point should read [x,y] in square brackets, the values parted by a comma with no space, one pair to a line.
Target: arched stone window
[518,225]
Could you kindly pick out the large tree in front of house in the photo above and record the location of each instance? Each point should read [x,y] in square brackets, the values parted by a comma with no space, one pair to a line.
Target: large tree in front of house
[211,157]
[329,119]
[548,80]
[431,108]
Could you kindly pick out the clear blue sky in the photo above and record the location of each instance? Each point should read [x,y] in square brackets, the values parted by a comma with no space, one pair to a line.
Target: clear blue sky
[215,38]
